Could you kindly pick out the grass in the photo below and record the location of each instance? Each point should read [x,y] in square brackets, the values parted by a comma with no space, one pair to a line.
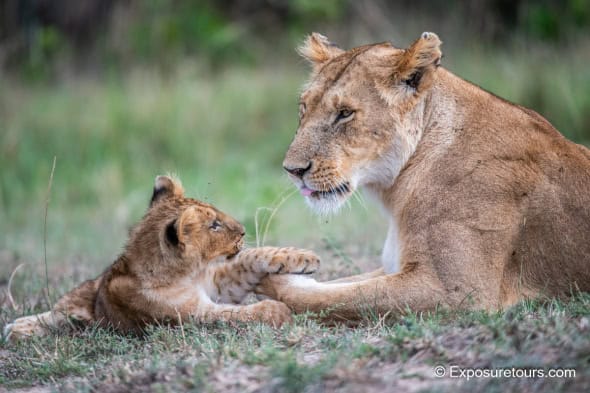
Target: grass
[112,138]
[394,355]
[225,135]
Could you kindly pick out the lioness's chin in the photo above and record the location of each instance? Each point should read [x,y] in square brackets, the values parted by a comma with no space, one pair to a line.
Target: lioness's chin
[326,205]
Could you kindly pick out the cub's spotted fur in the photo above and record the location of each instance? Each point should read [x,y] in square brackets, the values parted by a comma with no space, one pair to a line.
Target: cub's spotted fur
[183,261]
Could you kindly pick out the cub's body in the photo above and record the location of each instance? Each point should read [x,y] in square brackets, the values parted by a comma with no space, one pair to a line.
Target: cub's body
[183,262]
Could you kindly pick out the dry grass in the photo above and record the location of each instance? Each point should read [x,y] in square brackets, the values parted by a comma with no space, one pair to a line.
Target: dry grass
[378,355]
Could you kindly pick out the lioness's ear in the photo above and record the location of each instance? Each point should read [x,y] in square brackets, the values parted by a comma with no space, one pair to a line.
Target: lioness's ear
[317,49]
[166,187]
[422,57]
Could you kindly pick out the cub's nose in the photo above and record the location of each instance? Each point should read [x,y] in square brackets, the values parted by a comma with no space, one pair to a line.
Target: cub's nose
[236,228]
[297,171]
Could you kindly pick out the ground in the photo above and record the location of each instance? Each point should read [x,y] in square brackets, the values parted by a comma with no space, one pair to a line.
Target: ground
[389,354]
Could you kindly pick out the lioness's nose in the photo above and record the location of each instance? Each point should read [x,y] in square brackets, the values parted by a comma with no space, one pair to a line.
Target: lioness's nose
[297,171]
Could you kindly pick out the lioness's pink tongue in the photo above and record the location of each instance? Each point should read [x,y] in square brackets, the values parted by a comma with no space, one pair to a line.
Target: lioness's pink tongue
[305,191]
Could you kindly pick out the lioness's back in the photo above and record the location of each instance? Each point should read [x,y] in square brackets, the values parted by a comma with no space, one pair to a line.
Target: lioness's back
[505,163]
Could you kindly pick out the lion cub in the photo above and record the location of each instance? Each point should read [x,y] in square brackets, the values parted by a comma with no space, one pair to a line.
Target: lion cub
[183,261]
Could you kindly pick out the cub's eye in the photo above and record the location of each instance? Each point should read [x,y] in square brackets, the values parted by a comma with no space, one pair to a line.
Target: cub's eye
[215,225]
[343,114]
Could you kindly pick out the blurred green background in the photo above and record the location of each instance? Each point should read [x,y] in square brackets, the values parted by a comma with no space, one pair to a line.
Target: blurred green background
[120,91]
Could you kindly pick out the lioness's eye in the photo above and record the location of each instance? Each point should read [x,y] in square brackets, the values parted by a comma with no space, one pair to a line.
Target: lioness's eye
[343,114]
[215,225]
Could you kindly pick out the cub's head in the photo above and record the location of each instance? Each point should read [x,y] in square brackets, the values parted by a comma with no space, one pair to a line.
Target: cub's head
[176,227]
[359,116]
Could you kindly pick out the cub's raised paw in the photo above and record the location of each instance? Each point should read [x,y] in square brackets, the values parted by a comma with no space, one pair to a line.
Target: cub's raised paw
[274,313]
[294,261]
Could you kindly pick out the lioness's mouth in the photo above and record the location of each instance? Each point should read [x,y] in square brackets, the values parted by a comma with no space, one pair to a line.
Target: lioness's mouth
[342,189]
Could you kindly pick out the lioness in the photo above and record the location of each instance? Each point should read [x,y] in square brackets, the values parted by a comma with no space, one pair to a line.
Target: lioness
[183,261]
[487,202]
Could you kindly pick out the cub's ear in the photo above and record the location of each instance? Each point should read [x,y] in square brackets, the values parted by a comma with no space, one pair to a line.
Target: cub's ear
[166,187]
[177,232]
[419,61]
[186,224]
[172,233]
[317,50]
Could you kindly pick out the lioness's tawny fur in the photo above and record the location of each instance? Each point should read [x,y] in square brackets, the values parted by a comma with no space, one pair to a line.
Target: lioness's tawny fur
[184,261]
[487,202]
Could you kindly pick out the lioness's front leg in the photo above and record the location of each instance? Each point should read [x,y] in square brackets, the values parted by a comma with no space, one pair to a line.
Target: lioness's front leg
[396,293]
[358,277]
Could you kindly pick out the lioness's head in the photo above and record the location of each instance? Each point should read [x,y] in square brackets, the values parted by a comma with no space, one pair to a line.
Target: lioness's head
[357,116]
[176,227]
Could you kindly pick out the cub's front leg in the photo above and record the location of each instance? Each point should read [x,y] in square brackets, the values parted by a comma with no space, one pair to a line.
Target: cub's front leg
[279,260]
[270,312]
[234,280]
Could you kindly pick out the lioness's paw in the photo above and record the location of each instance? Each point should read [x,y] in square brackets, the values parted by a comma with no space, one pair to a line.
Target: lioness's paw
[272,286]
[281,287]
[274,313]
[24,327]
[294,261]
